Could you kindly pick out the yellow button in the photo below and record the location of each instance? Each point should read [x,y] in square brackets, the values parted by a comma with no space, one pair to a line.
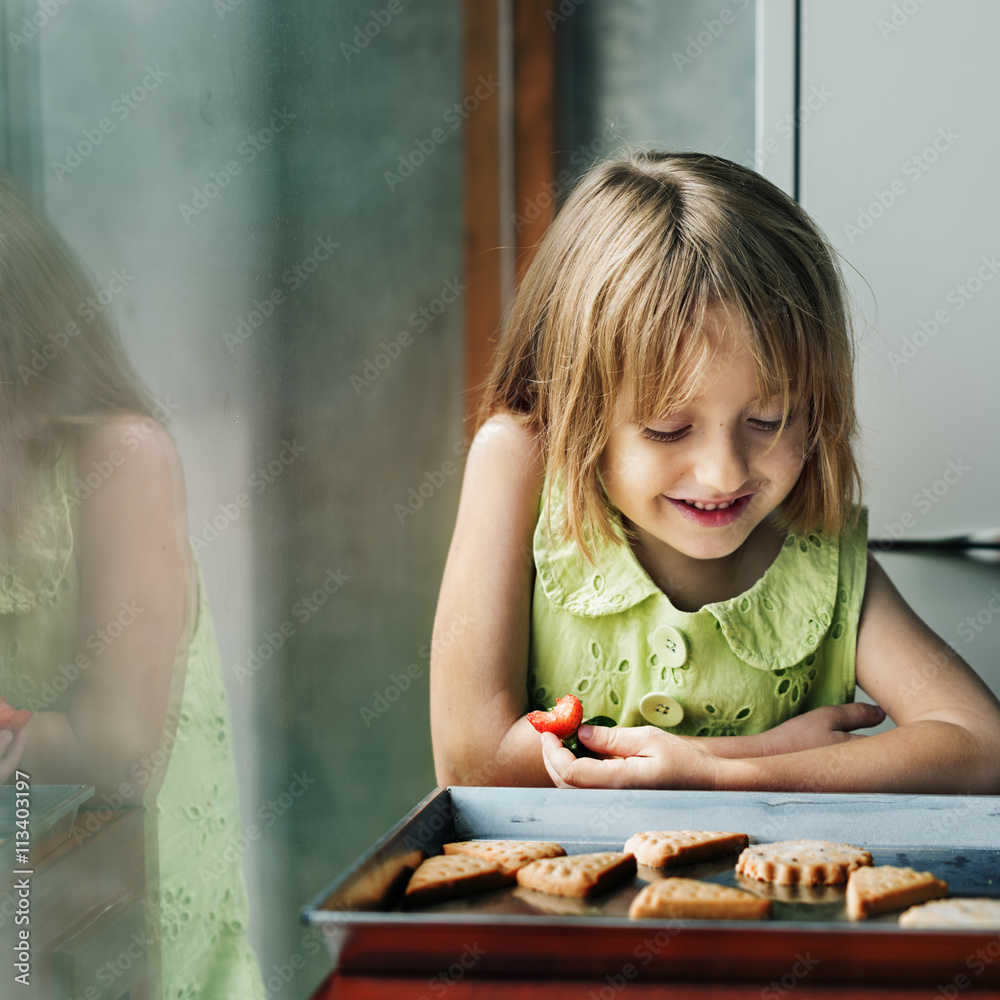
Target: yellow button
[661,710]
[669,646]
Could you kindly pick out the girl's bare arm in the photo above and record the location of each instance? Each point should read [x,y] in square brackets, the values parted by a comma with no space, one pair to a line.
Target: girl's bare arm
[136,584]
[947,738]
[479,650]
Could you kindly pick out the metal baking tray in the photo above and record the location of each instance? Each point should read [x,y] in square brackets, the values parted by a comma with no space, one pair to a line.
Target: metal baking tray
[516,932]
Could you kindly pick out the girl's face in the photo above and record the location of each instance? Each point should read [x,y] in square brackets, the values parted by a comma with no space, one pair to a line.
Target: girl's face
[698,481]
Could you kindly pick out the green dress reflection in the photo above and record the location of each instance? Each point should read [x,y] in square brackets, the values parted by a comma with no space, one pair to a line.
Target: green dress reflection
[205,951]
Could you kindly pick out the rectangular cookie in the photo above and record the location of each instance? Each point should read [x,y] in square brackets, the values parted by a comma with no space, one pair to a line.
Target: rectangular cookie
[691,898]
[578,874]
[885,888]
[668,848]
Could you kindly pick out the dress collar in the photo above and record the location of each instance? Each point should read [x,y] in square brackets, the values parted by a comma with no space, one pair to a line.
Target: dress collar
[773,625]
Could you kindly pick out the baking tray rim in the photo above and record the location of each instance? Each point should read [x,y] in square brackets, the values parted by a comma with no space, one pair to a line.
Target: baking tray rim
[313,912]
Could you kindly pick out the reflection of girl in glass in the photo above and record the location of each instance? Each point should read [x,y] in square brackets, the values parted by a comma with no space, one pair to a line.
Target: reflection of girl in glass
[105,634]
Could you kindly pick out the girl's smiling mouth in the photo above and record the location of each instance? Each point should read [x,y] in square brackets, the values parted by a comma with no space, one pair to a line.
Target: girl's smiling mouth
[712,514]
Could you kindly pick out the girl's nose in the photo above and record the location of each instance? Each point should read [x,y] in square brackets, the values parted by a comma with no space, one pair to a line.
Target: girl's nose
[721,464]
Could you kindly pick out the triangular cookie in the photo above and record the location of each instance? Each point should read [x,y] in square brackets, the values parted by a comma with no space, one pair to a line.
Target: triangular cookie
[878,890]
[578,874]
[446,876]
[668,848]
[510,855]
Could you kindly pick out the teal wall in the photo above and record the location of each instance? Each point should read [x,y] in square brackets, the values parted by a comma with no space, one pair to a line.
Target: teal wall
[276,130]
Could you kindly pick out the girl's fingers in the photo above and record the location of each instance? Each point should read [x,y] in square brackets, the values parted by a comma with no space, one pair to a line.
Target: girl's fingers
[569,771]
[616,741]
[861,715]
[556,758]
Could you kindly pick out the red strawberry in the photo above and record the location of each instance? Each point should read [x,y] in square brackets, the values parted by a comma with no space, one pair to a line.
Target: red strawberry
[12,719]
[563,720]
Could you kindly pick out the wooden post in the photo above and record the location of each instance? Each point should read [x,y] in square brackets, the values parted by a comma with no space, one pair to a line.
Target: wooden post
[530,151]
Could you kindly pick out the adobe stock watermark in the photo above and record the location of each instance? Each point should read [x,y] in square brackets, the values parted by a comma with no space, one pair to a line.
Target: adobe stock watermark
[785,125]
[804,964]
[423,149]
[470,956]
[97,643]
[420,319]
[425,833]
[973,625]
[121,108]
[245,153]
[899,16]
[293,278]
[266,816]
[581,158]
[31,26]
[302,610]
[257,483]
[563,12]
[977,963]
[913,169]
[433,481]
[310,944]
[713,29]
[399,684]
[967,630]
[366,32]
[88,310]
[642,955]
[224,7]
[923,501]
[958,298]
[142,773]
[108,974]
[605,820]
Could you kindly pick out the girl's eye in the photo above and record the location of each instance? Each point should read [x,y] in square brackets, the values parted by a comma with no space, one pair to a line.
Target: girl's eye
[765,425]
[770,425]
[654,435]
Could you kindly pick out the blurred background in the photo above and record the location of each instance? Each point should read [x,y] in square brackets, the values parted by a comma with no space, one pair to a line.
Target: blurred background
[283,205]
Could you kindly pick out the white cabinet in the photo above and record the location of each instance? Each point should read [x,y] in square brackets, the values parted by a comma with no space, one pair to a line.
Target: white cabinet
[898,163]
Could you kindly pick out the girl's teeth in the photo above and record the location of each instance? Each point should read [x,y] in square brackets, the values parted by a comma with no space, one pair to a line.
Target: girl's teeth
[710,506]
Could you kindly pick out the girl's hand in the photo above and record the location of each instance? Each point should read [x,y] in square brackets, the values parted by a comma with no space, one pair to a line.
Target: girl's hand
[639,757]
[820,727]
[11,748]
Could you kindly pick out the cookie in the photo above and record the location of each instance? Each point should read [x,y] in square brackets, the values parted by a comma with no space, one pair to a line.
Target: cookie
[668,848]
[510,855]
[810,862]
[689,898]
[447,876]
[878,890]
[578,874]
[979,913]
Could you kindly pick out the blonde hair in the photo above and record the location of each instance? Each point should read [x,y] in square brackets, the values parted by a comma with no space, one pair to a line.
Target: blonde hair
[642,249]
[60,360]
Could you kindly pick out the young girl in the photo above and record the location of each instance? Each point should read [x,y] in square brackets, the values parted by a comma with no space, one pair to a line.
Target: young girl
[105,634]
[659,516]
